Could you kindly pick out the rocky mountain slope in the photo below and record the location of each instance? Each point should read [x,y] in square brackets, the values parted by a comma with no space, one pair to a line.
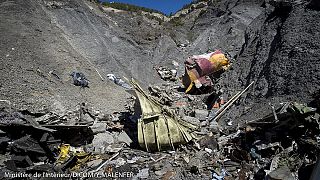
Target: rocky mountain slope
[55,126]
[274,43]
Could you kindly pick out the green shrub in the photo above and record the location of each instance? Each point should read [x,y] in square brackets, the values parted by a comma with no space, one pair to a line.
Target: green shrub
[129,7]
[176,22]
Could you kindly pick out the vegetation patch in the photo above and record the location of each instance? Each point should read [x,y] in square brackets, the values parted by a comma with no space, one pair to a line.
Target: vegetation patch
[129,7]
[176,22]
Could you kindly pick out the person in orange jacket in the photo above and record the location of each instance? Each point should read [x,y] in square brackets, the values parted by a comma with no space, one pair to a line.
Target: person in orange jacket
[217,103]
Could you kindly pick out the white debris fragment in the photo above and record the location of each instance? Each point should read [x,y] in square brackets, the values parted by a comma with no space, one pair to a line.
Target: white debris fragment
[143,173]
[175,63]
[133,160]
[208,150]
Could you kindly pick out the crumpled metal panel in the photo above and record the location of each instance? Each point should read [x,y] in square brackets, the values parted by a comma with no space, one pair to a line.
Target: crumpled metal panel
[158,128]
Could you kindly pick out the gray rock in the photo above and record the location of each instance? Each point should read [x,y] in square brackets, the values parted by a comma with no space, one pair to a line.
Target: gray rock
[282,173]
[204,123]
[94,163]
[143,159]
[100,142]
[156,167]
[143,173]
[201,114]
[86,119]
[133,160]
[118,162]
[195,162]
[214,126]
[3,158]
[209,143]
[98,127]
[103,117]
[191,120]
[113,148]
[123,137]
[159,173]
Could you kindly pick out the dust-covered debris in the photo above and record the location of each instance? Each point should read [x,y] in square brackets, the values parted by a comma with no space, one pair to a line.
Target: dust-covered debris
[50,127]
[167,74]
[79,79]
[118,81]
[277,146]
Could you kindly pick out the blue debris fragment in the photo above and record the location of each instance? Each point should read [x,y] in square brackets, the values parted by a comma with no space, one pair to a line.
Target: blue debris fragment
[79,79]
[254,154]
[223,174]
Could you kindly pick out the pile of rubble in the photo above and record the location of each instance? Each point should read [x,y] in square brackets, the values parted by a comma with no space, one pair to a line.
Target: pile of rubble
[283,145]
[88,144]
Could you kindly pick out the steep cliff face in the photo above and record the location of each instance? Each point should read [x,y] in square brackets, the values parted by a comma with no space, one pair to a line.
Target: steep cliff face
[274,43]
[281,53]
